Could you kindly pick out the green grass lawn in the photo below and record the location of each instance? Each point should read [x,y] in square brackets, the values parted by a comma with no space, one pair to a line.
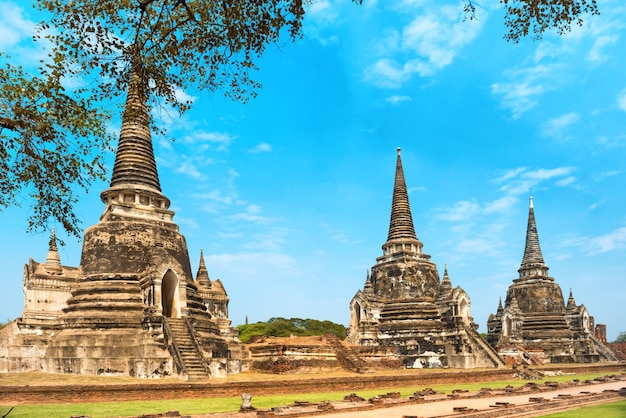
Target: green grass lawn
[213,405]
[609,410]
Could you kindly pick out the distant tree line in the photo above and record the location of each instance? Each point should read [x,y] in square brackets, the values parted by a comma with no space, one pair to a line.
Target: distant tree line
[281,327]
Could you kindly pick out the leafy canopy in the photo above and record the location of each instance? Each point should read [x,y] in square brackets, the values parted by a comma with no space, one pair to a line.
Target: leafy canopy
[281,327]
[537,16]
[53,138]
[50,141]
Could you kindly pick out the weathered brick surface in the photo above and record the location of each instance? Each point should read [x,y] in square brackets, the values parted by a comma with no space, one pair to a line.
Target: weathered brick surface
[619,349]
[213,389]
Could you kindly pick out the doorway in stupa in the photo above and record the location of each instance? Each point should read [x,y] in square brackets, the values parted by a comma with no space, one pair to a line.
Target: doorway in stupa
[170,300]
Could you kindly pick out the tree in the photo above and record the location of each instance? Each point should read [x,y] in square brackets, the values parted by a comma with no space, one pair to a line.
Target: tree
[281,327]
[538,16]
[525,17]
[50,141]
[621,337]
[52,138]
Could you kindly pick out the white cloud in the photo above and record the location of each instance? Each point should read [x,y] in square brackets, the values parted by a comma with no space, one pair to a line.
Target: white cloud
[547,174]
[426,45]
[466,210]
[262,147]
[469,241]
[250,265]
[501,205]
[521,93]
[205,140]
[190,223]
[321,19]
[183,97]
[254,209]
[605,174]
[555,127]
[509,174]
[189,168]
[557,59]
[252,213]
[416,189]
[615,240]
[386,73]
[271,239]
[461,211]
[336,234]
[593,206]
[521,180]
[621,100]
[547,49]
[566,181]
[216,195]
[396,99]
[231,235]
[596,53]
[322,12]
[14,25]
[480,245]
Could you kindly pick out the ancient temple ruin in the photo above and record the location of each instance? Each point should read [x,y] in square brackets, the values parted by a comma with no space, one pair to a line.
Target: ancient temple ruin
[133,306]
[535,326]
[404,309]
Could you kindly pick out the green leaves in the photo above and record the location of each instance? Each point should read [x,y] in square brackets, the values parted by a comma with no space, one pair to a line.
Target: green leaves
[281,327]
[178,44]
[50,142]
[534,17]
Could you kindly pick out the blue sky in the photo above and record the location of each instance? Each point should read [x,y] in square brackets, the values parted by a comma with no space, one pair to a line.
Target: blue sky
[289,195]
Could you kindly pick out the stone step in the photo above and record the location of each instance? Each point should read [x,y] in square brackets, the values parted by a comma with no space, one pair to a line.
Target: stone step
[187,350]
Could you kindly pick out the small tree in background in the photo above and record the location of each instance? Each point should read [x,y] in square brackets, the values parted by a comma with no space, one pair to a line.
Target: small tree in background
[281,327]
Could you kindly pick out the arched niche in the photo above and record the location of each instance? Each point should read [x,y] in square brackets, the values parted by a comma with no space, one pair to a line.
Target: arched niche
[506,326]
[355,317]
[464,310]
[170,299]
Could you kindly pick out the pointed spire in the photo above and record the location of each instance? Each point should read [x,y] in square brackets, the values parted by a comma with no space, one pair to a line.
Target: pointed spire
[134,161]
[53,261]
[369,286]
[401,223]
[500,309]
[571,303]
[446,283]
[532,262]
[135,188]
[202,277]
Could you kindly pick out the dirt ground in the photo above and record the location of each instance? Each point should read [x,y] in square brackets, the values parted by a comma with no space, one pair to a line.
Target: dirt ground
[39,388]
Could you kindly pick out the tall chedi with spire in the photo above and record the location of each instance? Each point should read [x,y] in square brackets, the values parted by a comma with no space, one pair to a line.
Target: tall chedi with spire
[535,325]
[134,307]
[405,309]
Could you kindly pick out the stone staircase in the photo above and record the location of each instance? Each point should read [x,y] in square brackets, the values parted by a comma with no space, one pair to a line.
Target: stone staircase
[348,359]
[605,352]
[186,349]
[491,353]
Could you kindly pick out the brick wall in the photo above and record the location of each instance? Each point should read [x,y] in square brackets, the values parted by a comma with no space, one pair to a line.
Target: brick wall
[12,395]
